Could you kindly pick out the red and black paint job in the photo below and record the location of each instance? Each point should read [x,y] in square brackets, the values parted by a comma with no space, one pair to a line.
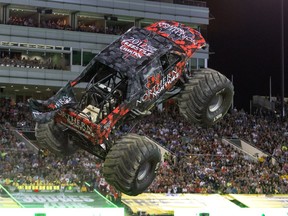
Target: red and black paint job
[134,72]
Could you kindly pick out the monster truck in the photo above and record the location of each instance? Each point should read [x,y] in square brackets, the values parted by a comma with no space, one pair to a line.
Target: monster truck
[138,71]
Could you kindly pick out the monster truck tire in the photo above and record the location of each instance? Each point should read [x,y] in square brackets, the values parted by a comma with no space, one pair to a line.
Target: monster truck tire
[131,164]
[206,97]
[50,136]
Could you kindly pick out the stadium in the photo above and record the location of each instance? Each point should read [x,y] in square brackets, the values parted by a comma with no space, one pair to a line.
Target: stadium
[239,164]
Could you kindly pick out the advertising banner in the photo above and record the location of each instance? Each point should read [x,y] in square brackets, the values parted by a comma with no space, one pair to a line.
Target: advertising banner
[62,200]
[166,204]
[262,201]
[208,204]
[6,202]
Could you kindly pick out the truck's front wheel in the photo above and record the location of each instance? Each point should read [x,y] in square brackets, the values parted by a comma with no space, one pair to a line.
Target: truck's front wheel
[131,164]
[206,97]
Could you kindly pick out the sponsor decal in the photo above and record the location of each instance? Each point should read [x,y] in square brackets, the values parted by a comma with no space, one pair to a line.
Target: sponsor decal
[77,123]
[177,33]
[163,204]
[65,99]
[136,48]
[45,200]
[155,85]
[217,117]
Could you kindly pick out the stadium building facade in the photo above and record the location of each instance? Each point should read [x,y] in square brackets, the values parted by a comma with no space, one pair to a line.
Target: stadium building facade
[44,44]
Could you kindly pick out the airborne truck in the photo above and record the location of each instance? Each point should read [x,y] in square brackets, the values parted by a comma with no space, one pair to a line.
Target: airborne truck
[136,72]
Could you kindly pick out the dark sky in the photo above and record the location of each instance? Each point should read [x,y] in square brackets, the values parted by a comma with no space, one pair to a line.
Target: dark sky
[245,37]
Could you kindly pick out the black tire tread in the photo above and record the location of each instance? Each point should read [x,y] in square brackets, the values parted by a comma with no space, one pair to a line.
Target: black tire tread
[49,136]
[123,160]
[193,99]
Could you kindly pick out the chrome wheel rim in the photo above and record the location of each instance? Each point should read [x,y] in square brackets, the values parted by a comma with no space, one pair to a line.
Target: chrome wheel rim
[215,103]
[143,171]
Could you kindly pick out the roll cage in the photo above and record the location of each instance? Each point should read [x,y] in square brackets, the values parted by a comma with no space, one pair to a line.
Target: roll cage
[125,80]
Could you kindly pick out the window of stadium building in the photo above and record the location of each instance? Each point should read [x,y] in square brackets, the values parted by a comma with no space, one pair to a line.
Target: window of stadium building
[82,57]
[117,26]
[33,59]
[87,57]
[55,20]
[34,17]
[76,57]
[90,24]
[24,17]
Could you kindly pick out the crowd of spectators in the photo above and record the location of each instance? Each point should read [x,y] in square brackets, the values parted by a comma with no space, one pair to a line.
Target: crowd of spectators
[62,24]
[37,63]
[90,28]
[112,29]
[200,162]
[20,165]
[22,21]
[25,63]
[203,164]
[24,166]
[30,22]
[16,114]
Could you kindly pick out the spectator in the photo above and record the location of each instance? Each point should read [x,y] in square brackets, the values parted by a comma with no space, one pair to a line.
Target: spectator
[200,163]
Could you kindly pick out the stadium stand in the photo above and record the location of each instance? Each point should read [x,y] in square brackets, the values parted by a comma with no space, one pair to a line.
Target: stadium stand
[201,161]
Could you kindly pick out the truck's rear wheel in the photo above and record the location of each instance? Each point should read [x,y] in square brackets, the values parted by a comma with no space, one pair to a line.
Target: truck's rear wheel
[206,97]
[49,135]
[131,164]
